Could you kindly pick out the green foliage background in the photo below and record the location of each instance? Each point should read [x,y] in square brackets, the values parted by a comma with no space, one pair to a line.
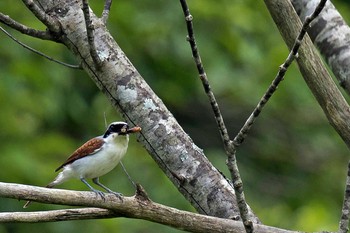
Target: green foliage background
[293,164]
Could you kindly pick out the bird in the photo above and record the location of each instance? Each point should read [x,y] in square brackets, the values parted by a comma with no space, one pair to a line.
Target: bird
[95,158]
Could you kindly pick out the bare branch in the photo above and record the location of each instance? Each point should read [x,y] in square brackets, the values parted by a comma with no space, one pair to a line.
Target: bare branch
[242,134]
[90,34]
[57,215]
[229,147]
[39,53]
[345,213]
[44,35]
[52,24]
[106,9]
[131,207]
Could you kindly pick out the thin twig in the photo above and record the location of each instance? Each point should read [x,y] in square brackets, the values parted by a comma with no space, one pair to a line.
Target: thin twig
[127,174]
[90,34]
[229,148]
[242,134]
[44,35]
[52,24]
[345,212]
[39,53]
[106,9]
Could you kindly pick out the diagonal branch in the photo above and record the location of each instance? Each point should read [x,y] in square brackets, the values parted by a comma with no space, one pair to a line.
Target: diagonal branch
[131,207]
[38,52]
[242,134]
[52,24]
[44,35]
[330,33]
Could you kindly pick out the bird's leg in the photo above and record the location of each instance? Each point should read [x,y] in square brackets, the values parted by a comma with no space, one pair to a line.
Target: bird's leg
[98,192]
[97,182]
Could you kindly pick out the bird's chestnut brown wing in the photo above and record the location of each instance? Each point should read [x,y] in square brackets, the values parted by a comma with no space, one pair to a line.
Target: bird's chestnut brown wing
[88,148]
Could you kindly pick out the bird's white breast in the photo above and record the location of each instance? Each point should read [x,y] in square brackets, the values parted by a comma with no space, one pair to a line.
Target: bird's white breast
[102,162]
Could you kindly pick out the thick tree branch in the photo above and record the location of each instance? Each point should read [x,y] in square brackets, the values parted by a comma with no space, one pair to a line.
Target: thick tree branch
[313,70]
[331,34]
[130,207]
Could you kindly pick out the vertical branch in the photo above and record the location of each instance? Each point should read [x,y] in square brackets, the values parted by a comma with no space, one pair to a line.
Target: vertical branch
[106,9]
[90,34]
[229,146]
[202,75]
[345,213]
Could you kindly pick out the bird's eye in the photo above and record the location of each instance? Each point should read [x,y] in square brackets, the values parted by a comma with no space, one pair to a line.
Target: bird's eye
[123,130]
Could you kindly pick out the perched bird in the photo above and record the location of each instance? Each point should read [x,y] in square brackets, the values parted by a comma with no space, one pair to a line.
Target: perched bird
[96,157]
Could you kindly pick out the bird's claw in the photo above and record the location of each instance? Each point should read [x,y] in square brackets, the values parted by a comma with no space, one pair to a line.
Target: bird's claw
[99,193]
[119,195]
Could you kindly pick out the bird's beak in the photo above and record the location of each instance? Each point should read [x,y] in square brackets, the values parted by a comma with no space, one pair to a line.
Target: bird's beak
[134,130]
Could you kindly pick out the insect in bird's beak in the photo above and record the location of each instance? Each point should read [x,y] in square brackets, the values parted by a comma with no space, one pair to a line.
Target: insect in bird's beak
[133,129]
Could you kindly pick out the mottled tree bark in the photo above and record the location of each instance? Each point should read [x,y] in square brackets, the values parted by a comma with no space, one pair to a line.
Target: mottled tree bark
[330,33]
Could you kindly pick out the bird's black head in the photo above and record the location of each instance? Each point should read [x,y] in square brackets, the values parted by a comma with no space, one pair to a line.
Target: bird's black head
[119,127]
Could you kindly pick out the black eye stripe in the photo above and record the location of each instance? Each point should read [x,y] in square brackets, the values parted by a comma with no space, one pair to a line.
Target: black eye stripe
[117,127]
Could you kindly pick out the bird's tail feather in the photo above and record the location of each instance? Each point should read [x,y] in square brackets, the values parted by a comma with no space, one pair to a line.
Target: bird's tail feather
[51,185]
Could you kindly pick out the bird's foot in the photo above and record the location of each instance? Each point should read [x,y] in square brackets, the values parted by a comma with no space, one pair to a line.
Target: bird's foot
[119,195]
[99,193]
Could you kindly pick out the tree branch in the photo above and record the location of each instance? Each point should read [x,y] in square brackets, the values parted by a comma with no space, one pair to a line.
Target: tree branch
[52,24]
[106,9]
[242,134]
[130,207]
[229,147]
[311,66]
[345,213]
[38,52]
[90,34]
[57,215]
[44,35]
[331,34]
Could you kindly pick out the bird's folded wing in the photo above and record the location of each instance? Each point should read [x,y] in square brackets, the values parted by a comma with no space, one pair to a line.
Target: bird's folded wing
[90,147]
